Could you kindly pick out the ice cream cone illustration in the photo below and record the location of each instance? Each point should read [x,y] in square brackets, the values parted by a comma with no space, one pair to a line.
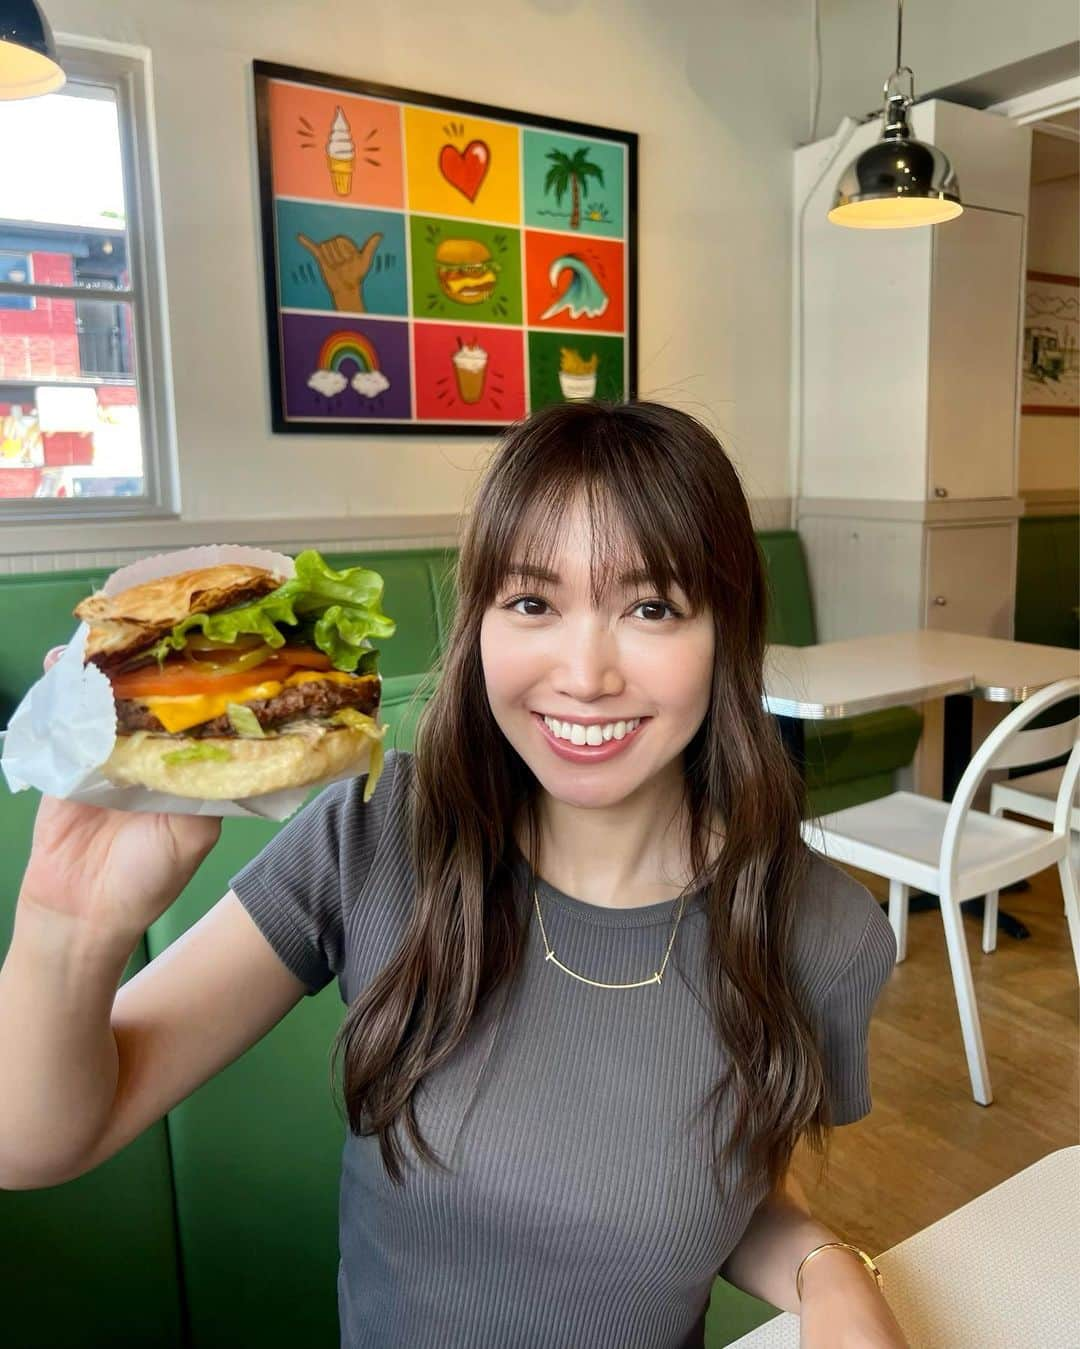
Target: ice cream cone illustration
[341,154]
[470,369]
[577,377]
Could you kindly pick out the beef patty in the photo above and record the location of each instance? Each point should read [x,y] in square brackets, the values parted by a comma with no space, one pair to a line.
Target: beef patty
[315,698]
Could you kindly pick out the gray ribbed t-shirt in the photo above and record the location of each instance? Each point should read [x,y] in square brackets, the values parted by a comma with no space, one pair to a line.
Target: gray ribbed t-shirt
[581,1208]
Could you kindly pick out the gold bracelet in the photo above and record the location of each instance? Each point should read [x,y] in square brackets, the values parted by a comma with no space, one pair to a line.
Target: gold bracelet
[838,1246]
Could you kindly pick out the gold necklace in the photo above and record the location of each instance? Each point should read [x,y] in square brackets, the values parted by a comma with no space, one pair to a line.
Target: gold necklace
[640,983]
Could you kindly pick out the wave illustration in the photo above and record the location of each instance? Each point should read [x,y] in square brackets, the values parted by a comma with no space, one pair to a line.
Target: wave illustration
[584,294]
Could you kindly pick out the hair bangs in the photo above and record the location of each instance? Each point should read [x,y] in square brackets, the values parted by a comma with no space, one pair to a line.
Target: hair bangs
[635,537]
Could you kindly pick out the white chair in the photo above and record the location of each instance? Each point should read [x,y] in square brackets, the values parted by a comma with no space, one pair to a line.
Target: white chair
[1034,795]
[958,853]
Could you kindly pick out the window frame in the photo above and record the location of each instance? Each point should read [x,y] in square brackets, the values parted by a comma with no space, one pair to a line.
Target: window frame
[126,72]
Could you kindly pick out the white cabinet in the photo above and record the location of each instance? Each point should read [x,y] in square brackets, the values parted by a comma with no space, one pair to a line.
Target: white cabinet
[973,363]
[970,574]
[879,567]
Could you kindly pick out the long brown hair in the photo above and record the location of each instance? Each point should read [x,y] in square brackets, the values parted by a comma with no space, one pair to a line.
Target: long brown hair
[656,480]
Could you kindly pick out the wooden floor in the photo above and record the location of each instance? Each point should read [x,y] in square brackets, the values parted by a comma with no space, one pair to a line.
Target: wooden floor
[926,1147]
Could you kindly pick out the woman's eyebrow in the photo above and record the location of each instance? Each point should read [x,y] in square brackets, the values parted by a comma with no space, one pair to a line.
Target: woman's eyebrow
[527,572]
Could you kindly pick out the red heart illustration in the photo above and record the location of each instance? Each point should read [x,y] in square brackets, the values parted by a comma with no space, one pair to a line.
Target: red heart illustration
[465,169]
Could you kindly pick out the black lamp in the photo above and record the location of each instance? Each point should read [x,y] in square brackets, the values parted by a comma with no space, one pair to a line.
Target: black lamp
[28,64]
[898,182]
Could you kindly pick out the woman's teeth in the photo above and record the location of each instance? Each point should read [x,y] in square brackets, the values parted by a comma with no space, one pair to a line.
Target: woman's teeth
[590,735]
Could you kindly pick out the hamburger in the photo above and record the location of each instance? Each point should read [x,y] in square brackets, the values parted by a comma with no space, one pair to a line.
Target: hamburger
[231,681]
[465,270]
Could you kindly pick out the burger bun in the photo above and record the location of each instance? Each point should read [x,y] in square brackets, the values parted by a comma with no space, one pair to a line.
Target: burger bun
[295,757]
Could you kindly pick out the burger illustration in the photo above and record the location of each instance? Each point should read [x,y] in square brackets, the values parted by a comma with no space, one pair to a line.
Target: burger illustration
[465,270]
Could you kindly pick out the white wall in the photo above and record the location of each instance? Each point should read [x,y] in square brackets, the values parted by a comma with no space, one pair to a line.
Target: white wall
[945,43]
[715,150]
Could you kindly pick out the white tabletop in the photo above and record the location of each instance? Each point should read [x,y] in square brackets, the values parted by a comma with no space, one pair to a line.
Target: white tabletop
[861,674]
[1006,671]
[1003,1272]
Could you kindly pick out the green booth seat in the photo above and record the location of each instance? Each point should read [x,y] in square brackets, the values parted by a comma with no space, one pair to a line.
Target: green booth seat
[218,1227]
[853,759]
[93,1262]
[36,613]
[1048,596]
[1048,580]
[256,1158]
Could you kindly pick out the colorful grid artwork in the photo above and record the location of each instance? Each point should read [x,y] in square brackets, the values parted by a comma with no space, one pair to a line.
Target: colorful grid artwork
[438,266]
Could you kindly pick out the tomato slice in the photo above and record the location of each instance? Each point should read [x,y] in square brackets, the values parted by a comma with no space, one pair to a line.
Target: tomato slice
[175,681]
[178,677]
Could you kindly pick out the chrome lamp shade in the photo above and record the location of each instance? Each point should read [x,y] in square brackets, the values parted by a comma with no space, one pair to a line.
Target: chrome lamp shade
[899,182]
[896,183]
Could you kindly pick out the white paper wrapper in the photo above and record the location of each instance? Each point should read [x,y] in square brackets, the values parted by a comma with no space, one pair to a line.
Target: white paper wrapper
[65,727]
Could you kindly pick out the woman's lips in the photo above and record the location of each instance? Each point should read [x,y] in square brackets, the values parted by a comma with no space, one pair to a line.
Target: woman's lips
[588,753]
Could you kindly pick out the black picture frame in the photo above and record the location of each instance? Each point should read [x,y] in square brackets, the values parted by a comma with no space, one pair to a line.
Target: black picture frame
[264,74]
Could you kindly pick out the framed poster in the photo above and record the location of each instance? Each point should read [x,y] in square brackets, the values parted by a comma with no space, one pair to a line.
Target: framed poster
[1051,366]
[439,266]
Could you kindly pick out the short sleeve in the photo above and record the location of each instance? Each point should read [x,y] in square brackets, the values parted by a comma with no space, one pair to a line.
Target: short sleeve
[845,1018]
[293,889]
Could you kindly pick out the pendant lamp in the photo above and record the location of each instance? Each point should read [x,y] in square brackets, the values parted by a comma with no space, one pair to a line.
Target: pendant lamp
[28,64]
[898,182]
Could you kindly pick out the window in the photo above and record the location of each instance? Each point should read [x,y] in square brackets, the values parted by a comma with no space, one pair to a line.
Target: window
[85,401]
[15,267]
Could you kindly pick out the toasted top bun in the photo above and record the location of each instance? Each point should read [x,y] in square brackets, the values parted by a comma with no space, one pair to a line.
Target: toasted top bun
[122,625]
[457,251]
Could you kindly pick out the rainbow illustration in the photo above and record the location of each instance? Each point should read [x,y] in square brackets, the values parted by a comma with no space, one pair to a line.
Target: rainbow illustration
[344,346]
[367,380]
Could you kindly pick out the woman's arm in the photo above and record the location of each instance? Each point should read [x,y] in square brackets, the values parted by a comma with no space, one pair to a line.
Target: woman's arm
[841,1304]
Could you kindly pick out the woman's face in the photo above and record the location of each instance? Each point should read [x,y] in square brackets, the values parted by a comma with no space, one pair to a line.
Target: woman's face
[550,657]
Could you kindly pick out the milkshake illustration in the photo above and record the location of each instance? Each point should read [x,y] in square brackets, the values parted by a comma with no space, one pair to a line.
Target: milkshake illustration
[341,154]
[577,377]
[470,369]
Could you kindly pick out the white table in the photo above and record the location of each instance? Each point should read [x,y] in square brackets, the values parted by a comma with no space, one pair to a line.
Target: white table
[1003,1272]
[864,674]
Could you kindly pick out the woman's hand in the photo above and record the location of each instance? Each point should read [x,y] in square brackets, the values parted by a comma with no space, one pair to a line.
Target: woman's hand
[842,1307]
[114,871]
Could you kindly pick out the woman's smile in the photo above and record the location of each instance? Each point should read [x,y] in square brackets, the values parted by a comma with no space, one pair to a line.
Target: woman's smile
[589,742]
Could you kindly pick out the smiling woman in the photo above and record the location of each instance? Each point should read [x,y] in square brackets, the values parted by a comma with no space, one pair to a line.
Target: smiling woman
[598,987]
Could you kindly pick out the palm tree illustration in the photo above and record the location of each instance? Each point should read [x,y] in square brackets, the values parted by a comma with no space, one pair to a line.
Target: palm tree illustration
[573,172]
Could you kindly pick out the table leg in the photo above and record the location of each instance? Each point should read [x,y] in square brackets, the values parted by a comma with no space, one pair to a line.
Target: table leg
[957,735]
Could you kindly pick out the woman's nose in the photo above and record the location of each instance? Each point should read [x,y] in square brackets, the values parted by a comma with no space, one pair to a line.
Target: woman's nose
[589,667]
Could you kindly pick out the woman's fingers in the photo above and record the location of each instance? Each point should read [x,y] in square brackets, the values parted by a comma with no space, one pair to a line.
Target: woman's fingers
[53,655]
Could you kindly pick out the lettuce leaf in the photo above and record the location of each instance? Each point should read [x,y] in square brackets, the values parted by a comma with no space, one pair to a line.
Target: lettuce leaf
[340,612]
[196,754]
[360,721]
[244,722]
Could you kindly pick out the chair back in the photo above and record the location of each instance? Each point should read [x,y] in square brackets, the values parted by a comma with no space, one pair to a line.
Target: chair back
[1009,745]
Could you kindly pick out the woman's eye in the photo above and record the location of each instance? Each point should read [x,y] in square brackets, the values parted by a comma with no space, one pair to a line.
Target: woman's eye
[658,604]
[526,599]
